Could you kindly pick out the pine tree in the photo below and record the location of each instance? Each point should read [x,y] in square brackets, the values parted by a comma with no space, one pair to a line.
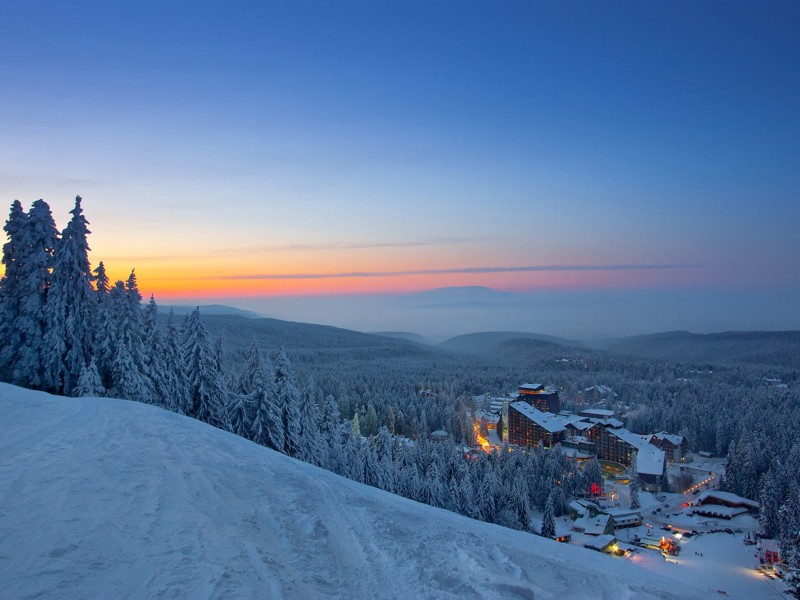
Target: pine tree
[155,358]
[107,323]
[331,432]
[34,281]
[312,446]
[267,428]
[486,496]
[432,486]
[206,391]
[14,251]
[89,383]
[634,492]
[370,463]
[789,518]
[128,380]
[548,529]
[176,391]
[242,412]
[289,401]
[70,309]
[769,504]
[128,369]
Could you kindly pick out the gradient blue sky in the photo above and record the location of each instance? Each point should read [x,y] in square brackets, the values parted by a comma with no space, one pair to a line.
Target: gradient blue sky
[216,143]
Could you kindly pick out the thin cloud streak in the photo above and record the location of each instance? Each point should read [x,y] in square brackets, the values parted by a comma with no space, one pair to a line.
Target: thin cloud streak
[456,271]
[361,245]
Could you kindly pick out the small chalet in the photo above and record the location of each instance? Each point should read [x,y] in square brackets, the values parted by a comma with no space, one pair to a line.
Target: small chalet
[603,543]
[582,508]
[600,524]
[723,505]
[625,517]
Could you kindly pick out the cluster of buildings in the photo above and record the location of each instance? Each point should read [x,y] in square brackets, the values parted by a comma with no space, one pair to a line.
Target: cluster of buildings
[533,416]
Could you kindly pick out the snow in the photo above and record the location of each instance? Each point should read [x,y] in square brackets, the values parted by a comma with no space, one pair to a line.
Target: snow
[650,460]
[108,498]
[552,423]
[722,563]
[711,495]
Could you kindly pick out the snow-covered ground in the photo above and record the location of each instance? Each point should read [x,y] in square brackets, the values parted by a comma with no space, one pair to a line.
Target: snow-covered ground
[713,562]
[716,562]
[103,498]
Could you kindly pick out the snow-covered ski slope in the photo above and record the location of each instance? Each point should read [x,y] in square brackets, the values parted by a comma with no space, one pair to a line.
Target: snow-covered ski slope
[104,498]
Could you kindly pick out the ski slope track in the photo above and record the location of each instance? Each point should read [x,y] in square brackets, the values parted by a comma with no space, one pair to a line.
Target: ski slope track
[105,498]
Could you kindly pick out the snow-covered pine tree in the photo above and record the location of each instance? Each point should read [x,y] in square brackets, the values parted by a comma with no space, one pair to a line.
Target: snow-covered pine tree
[331,433]
[106,326]
[89,383]
[267,426]
[175,374]
[34,280]
[789,518]
[769,505]
[289,401]
[486,496]
[70,308]
[369,460]
[128,368]
[634,493]
[241,410]
[206,392]
[433,486]
[157,369]
[312,447]
[352,461]
[519,496]
[13,257]
[128,380]
[548,529]
[133,336]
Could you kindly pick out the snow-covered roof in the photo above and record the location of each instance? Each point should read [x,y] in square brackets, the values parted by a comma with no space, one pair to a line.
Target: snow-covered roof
[600,413]
[579,508]
[601,542]
[581,425]
[607,422]
[650,460]
[602,389]
[623,512]
[672,438]
[592,525]
[720,510]
[574,453]
[710,496]
[634,439]
[487,416]
[549,421]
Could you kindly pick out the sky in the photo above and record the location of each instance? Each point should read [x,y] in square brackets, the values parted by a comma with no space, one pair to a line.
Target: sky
[259,151]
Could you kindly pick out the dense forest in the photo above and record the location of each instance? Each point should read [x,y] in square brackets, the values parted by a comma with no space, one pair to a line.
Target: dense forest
[351,402]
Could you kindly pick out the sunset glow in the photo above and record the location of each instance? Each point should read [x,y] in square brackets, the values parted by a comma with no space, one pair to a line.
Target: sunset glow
[270,152]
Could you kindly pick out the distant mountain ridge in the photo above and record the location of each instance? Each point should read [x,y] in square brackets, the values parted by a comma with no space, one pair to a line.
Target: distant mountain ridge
[780,348]
[209,309]
[489,341]
[404,335]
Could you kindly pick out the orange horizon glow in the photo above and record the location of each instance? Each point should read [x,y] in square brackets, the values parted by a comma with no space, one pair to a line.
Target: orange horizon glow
[215,284]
